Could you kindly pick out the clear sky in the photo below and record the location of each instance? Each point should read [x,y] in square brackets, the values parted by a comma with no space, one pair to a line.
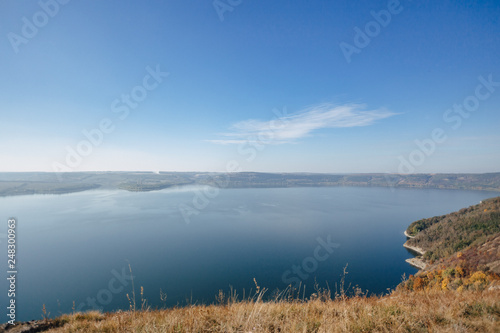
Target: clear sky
[279,86]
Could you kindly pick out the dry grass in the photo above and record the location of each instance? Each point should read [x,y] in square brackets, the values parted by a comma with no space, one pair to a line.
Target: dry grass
[402,311]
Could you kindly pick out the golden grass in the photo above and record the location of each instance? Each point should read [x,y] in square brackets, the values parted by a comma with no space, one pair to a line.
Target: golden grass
[402,311]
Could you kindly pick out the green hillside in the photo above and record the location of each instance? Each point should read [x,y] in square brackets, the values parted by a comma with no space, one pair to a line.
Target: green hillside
[442,236]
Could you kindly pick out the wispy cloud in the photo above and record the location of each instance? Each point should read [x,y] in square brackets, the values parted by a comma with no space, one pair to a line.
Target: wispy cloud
[289,128]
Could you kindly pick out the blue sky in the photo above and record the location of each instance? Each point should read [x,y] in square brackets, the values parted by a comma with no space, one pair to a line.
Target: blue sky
[263,85]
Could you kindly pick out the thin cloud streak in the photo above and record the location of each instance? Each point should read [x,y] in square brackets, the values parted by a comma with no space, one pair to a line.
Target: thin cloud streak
[289,128]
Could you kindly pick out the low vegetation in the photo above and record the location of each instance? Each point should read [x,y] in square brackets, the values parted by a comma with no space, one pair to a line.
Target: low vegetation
[401,311]
[475,268]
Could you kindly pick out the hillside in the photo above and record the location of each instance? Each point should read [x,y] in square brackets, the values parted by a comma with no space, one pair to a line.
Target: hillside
[441,236]
[461,250]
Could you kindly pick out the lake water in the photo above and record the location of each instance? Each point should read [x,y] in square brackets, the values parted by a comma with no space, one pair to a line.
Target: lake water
[77,247]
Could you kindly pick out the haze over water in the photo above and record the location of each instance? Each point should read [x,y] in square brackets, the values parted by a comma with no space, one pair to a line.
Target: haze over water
[78,246]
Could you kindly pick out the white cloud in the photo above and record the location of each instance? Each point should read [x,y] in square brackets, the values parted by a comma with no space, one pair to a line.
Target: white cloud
[289,128]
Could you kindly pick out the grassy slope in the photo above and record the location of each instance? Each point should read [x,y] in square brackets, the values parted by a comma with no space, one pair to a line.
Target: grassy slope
[400,312]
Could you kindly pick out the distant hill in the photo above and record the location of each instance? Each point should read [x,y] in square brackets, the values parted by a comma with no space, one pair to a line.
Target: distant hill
[19,183]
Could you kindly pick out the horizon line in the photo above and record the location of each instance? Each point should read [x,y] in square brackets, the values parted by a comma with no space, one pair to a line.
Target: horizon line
[269,172]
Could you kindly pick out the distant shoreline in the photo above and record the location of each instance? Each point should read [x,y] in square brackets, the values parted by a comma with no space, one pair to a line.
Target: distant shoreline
[104,188]
[28,183]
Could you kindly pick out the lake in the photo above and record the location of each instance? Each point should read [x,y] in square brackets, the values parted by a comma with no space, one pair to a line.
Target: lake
[77,247]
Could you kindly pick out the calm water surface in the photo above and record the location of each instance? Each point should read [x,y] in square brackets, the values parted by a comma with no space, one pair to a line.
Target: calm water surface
[77,247]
